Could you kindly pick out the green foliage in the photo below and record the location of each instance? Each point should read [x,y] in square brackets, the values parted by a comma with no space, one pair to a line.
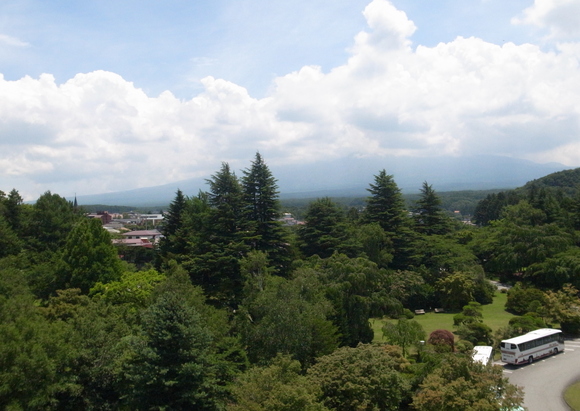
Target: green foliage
[133,288]
[520,299]
[428,216]
[288,317]
[363,378]
[526,323]
[324,231]
[376,244]
[385,204]
[261,213]
[51,220]
[563,306]
[277,387]
[357,289]
[455,290]
[174,241]
[459,384]
[170,365]
[88,257]
[404,333]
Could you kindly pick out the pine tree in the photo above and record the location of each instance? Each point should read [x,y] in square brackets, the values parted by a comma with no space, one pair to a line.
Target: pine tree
[385,205]
[325,229]
[428,215]
[262,212]
[174,243]
[218,243]
[173,366]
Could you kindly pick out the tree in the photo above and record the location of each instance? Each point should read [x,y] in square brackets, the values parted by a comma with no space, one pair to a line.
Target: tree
[277,387]
[442,340]
[218,243]
[171,365]
[455,290]
[51,220]
[459,384]
[174,241]
[89,257]
[363,378]
[262,213]
[563,306]
[324,231]
[404,333]
[288,317]
[428,216]
[385,204]
[358,290]
[520,299]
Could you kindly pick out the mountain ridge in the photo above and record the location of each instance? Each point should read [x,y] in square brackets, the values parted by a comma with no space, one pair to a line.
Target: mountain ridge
[351,176]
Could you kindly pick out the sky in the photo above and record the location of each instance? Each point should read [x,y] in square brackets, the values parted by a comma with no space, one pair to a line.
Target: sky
[99,95]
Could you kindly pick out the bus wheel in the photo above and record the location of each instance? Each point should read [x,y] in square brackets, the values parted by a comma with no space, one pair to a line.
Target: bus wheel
[555,351]
[530,360]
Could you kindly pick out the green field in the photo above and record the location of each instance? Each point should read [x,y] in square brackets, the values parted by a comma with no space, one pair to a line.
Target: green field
[572,396]
[494,315]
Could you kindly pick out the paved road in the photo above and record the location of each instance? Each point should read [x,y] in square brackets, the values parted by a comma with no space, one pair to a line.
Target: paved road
[544,381]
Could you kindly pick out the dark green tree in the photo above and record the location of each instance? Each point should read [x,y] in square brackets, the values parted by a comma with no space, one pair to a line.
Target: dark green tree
[174,244]
[51,220]
[385,204]
[428,215]
[324,231]
[262,212]
[218,244]
[171,365]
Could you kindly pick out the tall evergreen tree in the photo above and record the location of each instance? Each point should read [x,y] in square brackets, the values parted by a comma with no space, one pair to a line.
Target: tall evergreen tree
[386,207]
[325,229]
[172,365]
[174,243]
[428,215]
[218,244]
[385,204]
[262,212]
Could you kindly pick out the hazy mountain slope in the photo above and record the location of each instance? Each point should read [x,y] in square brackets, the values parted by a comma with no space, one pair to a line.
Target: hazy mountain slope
[351,177]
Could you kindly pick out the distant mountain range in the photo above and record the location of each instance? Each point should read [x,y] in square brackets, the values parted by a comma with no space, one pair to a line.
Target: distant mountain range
[351,176]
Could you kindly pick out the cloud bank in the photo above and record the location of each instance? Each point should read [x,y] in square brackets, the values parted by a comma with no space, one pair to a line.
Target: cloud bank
[97,132]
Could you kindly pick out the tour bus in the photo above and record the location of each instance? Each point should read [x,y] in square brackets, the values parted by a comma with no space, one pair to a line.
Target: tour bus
[482,354]
[531,346]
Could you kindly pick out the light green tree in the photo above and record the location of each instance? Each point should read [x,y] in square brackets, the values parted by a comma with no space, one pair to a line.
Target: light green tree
[404,333]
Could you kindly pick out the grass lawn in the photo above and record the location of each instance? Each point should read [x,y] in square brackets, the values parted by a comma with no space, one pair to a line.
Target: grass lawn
[494,315]
[572,396]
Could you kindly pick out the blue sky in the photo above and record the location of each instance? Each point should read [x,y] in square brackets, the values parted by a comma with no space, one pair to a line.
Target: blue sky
[163,91]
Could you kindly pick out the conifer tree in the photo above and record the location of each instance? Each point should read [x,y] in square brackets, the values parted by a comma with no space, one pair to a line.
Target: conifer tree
[428,215]
[385,204]
[262,212]
[174,243]
[325,229]
[386,207]
[218,244]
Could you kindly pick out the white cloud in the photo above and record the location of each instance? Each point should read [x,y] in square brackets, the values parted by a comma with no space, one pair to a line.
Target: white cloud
[97,132]
[560,17]
[12,41]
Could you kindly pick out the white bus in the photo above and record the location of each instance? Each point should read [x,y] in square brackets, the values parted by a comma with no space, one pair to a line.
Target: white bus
[531,346]
[482,354]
